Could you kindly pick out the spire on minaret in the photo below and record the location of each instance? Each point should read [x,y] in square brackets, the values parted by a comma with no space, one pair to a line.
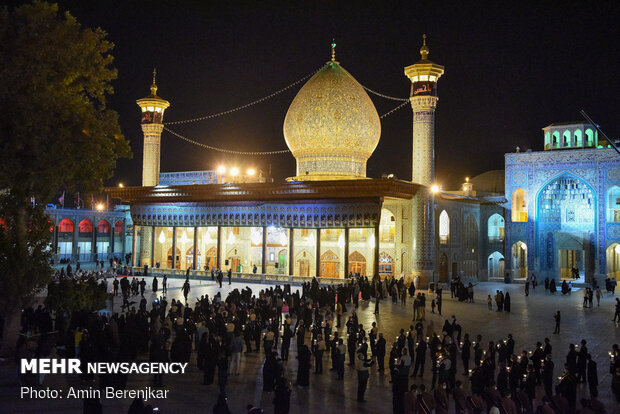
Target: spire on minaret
[154,86]
[424,49]
[333,50]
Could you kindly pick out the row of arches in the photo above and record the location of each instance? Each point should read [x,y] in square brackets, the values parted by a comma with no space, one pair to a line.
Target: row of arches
[495,229]
[86,226]
[567,139]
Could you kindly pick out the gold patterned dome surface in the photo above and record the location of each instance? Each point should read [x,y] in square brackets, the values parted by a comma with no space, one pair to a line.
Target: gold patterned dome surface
[332,126]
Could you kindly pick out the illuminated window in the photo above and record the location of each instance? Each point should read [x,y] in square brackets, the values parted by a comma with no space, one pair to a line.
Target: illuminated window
[589,138]
[304,232]
[519,206]
[556,140]
[578,138]
[65,226]
[235,231]
[103,227]
[444,227]
[547,140]
[566,139]
[85,226]
[613,204]
[496,228]
[387,226]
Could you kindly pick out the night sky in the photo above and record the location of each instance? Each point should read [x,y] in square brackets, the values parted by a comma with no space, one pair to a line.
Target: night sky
[511,68]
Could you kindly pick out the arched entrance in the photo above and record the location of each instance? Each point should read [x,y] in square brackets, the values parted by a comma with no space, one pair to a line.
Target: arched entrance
[211,258]
[303,263]
[496,265]
[329,264]
[357,263]
[443,268]
[177,258]
[283,261]
[519,259]
[189,258]
[470,250]
[613,261]
[565,229]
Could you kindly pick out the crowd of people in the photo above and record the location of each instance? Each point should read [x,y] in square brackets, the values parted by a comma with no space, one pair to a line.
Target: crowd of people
[322,323]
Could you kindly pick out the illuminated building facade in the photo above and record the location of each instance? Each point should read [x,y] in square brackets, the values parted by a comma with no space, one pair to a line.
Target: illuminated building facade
[329,219]
[563,209]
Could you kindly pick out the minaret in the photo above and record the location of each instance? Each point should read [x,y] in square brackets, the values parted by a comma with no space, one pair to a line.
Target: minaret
[152,121]
[153,108]
[424,76]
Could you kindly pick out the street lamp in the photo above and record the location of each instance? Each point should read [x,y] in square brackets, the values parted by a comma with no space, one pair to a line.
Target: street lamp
[434,188]
[251,171]
[234,171]
[221,169]
[121,185]
[99,207]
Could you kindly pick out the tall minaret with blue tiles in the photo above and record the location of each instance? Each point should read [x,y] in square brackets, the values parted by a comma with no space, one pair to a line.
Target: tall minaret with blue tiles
[424,76]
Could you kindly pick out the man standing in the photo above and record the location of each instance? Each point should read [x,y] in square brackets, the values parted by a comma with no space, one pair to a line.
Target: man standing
[420,355]
[186,289]
[229,275]
[617,313]
[380,351]
[557,321]
[362,363]
[592,377]
[164,285]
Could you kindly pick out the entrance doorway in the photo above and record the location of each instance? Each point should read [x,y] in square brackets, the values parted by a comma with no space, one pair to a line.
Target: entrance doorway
[235,264]
[177,259]
[329,264]
[571,264]
[304,267]
[189,258]
[357,263]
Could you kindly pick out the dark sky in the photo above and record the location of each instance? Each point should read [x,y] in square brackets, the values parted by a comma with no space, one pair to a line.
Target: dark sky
[511,68]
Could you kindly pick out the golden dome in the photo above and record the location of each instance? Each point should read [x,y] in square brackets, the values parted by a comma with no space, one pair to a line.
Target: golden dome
[332,126]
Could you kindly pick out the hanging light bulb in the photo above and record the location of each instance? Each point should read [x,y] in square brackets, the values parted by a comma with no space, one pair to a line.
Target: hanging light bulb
[283,240]
[341,240]
[162,237]
[371,241]
[231,238]
[184,238]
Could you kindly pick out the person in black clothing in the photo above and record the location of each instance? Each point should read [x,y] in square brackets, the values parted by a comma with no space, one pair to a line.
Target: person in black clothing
[547,375]
[592,377]
[282,396]
[571,359]
[303,371]
[557,323]
[380,352]
[420,357]
[466,353]
[568,388]
[582,362]
[229,276]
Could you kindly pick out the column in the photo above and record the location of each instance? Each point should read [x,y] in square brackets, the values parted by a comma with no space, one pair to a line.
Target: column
[194,267]
[377,249]
[264,253]
[152,254]
[74,245]
[147,241]
[93,249]
[346,252]
[134,245]
[174,247]
[56,239]
[318,253]
[291,256]
[111,237]
[219,247]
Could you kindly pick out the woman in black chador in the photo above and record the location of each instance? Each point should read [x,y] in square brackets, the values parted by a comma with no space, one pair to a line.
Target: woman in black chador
[303,372]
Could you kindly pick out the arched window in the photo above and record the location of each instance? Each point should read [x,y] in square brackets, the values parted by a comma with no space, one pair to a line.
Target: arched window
[589,138]
[387,226]
[556,140]
[470,244]
[118,227]
[103,227]
[547,140]
[519,206]
[85,226]
[566,139]
[496,228]
[578,138]
[496,265]
[613,261]
[444,227]
[65,226]
[613,204]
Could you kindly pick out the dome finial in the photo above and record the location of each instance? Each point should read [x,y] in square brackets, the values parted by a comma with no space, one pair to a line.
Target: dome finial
[424,49]
[333,50]
[154,86]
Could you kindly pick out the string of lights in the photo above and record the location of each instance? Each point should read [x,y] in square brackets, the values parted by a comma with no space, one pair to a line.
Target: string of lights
[227,151]
[393,98]
[247,105]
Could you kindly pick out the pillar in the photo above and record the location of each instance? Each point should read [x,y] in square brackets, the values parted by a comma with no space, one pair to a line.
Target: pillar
[174,247]
[264,252]
[152,253]
[291,256]
[134,245]
[318,253]
[219,248]
[147,241]
[195,266]
[346,252]
[111,237]
[93,248]
[376,252]
[76,234]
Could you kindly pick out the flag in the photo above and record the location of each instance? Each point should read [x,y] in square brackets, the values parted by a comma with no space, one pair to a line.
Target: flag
[77,199]
[61,200]
[92,201]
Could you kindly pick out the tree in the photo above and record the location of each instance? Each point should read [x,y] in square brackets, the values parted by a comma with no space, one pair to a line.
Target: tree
[56,133]
[70,295]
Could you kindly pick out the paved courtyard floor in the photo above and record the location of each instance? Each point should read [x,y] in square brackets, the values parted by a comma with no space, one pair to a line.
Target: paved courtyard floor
[530,320]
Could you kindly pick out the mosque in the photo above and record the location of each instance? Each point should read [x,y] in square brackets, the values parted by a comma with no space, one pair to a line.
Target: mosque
[330,220]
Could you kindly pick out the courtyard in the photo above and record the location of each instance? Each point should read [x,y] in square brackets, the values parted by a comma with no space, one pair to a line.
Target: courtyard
[530,320]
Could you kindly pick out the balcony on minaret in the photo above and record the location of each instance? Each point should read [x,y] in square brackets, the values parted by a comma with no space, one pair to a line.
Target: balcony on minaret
[424,74]
[152,106]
